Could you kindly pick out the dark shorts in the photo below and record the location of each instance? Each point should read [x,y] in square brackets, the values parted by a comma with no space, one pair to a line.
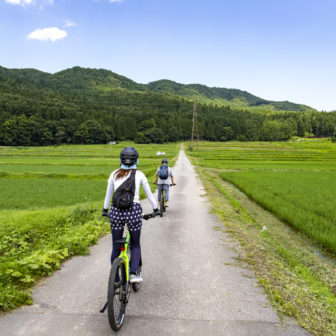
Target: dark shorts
[132,216]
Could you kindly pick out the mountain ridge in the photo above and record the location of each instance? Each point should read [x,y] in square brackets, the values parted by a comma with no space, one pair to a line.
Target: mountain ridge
[223,96]
[79,78]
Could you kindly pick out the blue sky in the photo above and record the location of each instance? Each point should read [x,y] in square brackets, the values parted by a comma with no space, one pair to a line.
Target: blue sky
[275,49]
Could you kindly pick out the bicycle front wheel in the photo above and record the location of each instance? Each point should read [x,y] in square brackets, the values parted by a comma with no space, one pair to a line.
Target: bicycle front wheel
[162,204]
[116,294]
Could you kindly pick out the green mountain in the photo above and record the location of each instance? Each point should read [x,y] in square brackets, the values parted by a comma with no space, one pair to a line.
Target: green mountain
[83,79]
[97,79]
[223,97]
[81,105]
[76,78]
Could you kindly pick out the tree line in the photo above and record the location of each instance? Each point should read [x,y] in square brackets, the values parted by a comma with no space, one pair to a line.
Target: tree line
[32,112]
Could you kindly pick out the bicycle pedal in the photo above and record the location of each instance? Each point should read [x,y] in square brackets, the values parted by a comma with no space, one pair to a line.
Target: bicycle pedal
[104,308]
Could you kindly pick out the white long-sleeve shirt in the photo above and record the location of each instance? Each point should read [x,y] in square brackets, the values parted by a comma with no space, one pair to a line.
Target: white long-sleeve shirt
[140,178]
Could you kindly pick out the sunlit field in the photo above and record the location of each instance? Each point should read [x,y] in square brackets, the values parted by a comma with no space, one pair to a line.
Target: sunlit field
[50,204]
[294,180]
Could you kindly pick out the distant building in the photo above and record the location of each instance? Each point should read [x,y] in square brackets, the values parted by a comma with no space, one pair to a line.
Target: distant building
[112,142]
[160,153]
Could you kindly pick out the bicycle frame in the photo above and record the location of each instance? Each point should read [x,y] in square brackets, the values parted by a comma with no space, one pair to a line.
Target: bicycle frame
[124,256]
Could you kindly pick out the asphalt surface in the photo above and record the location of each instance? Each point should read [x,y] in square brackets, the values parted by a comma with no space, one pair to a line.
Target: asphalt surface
[192,283]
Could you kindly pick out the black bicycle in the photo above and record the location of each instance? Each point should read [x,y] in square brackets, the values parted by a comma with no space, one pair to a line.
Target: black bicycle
[119,286]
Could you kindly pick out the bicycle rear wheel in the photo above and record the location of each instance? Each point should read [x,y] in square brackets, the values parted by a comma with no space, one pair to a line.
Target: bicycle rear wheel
[117,294]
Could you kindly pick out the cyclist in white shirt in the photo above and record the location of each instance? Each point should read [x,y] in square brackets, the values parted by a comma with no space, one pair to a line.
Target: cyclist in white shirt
[133,215]
[165,181]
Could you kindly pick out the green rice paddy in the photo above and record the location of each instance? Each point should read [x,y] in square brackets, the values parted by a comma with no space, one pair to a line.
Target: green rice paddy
[294,180]
[50,204]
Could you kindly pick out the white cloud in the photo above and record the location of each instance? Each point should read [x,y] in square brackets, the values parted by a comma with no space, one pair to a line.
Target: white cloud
[108,0]
[69,23]
[30,2]
[21,2]
[53,34]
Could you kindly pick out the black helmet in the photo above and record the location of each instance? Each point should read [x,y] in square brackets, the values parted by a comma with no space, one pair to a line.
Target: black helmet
[164,161]
[129,156]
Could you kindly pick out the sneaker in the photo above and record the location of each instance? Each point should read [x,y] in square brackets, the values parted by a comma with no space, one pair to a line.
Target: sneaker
[135,278]
[166,204]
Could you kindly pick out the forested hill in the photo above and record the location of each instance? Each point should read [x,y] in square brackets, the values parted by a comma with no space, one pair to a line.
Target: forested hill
[79,79]
[223,97]
[80,105]
[74,79]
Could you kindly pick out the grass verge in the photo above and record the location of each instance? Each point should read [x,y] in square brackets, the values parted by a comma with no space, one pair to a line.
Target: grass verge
[34,243]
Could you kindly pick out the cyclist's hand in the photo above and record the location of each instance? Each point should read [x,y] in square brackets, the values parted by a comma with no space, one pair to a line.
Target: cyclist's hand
[156,212]
[105,213]
[154,182]
[173,184]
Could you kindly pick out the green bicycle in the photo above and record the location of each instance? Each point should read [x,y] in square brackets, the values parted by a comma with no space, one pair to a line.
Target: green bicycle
[119,286]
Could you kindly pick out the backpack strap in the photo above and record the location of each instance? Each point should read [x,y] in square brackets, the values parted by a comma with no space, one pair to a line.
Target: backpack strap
[131,179]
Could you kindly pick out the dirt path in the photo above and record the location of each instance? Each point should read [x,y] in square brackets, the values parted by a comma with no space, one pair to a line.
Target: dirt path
[192,283]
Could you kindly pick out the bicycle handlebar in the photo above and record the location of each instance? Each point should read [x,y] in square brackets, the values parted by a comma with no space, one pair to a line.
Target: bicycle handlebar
[172,184]
[145,217]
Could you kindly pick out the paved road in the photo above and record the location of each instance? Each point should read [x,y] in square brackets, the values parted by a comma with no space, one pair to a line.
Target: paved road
[188,288]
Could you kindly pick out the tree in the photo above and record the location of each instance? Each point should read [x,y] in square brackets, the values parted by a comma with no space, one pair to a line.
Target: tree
[152,135]
[271,130]
[81,134]
[60,136]
[147,124]
[172,133]
[227,133]
[16,131]
[95,133]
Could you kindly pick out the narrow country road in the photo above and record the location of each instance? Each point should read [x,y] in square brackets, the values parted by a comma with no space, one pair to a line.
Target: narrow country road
[192,283]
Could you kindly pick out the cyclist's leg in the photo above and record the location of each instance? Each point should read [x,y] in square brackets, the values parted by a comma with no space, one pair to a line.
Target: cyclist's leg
[136,250]
[134,223]
[116,235]
[166,187]
[159,192]
[117,223]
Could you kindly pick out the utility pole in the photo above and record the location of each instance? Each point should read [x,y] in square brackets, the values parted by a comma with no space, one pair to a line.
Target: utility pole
[194,126]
